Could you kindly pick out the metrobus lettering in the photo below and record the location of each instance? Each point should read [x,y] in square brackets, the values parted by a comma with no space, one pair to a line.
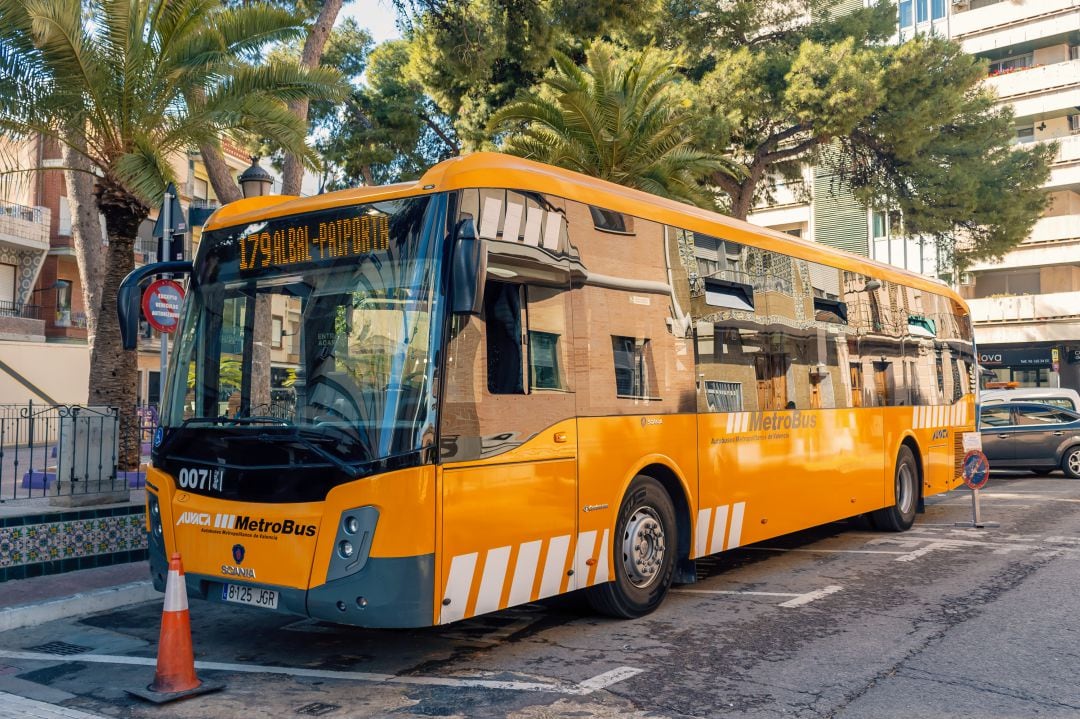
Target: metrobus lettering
[759,421]
[286,526]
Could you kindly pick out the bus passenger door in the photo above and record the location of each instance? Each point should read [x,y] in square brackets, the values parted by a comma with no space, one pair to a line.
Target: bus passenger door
[508,479]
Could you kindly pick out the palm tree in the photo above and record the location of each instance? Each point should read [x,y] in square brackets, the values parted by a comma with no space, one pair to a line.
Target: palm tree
[618,119]
[124,86]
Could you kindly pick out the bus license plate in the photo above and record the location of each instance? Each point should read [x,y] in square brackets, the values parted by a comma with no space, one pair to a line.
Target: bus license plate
[239,594]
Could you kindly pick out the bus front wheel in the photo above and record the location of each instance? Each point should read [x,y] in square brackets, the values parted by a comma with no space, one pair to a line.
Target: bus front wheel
[901,515]
[643,553]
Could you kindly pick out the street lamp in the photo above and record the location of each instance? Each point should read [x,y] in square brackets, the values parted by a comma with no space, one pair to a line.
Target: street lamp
[255,181]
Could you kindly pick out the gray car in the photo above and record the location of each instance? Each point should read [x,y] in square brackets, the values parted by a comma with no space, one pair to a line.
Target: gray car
[1025,435]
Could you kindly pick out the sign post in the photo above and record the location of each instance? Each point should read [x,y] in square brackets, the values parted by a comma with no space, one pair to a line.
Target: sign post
[976,473]
[171,225]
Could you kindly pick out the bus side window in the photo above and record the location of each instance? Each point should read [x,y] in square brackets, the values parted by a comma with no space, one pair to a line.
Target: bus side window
[502,319]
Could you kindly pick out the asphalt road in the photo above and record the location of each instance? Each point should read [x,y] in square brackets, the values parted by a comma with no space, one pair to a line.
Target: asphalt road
[839,621]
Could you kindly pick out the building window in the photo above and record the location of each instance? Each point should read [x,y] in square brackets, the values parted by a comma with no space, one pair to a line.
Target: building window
[1009,282]
[723,396]
[880,219]
[200,189]
[905,13]
[8,273]
[1012,64]
[938,9]
[277,329]
[544,360]
[922,13]
[63,303]
[1025,134]
[611,221]
[631,366]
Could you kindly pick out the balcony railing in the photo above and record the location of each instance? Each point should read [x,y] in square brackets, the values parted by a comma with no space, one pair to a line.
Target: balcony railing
[1068,149]
[25,226]
[20,309]
[1055,229]
[1025,308]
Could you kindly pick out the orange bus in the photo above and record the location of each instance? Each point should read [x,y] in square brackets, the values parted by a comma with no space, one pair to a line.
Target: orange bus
[407,405]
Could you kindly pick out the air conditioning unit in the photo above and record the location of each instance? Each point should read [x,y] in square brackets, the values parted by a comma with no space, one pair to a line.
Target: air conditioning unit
[967,279]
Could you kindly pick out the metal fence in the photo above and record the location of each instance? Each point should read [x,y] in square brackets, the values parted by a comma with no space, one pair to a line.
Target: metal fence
[65,450]
[19,309]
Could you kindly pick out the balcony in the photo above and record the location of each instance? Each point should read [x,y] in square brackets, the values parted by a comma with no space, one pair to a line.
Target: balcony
[1065,169]
[1026,318]
[1005,24]
[1034,80]
[20,321]
[25,228]
[1055,229]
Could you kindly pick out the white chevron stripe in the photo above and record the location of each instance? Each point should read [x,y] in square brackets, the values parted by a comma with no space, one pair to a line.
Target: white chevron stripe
[602,560]
[534,216]
[735,532]
[524,573]
[719,525]
[491,581]
[702,539]
[730,421]
[553,565]
[586,542]
[458,584]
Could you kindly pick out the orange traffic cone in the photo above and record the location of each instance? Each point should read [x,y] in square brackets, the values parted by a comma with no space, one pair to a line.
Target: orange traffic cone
[175,676]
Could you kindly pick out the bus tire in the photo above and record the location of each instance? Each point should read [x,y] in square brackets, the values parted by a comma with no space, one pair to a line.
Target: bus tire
[901,515]
[643,553]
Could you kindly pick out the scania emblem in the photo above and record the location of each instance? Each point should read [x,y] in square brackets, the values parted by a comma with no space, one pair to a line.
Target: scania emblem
[238,553]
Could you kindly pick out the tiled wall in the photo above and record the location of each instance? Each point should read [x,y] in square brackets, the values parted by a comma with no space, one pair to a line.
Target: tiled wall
[34,545]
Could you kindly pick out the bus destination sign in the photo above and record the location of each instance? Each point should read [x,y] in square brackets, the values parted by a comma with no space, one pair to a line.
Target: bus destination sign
[307,242]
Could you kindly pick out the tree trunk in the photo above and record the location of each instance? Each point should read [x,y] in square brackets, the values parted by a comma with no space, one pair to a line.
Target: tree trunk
[293,171]
[221,178]
[90,247]
[114,371]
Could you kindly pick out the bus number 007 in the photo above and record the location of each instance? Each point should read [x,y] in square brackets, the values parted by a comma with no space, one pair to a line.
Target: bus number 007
[198,478]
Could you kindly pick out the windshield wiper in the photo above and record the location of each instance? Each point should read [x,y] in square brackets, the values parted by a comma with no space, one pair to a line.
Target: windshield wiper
[338,462]
[223,419]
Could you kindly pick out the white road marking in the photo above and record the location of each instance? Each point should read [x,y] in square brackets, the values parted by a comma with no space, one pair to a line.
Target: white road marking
[794,599]
[824,551]
[600,681]
[603,681]
[15,706]
[812,596]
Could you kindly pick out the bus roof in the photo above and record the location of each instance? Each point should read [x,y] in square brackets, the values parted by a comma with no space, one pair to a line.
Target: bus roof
[490,169]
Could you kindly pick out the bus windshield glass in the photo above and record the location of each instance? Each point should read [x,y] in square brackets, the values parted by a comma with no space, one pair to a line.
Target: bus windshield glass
[318,326]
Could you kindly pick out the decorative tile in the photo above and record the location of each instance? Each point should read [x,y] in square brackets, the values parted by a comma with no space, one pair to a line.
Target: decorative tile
[55,543]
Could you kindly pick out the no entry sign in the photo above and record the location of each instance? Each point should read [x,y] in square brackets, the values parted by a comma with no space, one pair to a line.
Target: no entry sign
[161,305]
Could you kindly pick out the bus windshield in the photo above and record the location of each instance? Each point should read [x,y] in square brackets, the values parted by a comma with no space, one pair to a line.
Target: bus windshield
[318,326]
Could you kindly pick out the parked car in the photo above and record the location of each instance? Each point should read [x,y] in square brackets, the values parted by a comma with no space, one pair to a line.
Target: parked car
[1025,435]
[1057,396]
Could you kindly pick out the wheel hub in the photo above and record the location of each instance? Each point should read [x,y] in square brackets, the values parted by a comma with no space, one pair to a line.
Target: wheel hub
[643,547]
[905,488]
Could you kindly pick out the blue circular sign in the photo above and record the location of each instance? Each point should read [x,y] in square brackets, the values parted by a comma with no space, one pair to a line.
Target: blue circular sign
[976,469]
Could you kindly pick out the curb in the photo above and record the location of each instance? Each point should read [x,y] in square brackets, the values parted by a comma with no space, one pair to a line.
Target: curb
[77,605]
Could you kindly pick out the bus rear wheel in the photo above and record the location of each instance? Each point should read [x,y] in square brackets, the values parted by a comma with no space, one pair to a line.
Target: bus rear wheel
[643,553]
[901,515]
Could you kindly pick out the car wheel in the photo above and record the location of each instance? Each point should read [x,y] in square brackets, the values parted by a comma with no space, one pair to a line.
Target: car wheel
[643,553]
[1071,462]
[901,515]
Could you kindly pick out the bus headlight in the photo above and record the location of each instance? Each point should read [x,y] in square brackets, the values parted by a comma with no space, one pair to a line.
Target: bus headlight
[355,532]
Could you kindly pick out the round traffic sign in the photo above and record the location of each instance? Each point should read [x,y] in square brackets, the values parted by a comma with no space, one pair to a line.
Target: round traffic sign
[976,469]
[161,305]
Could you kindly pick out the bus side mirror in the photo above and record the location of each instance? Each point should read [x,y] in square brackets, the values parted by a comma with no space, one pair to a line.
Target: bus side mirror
[468,270]
[129,297]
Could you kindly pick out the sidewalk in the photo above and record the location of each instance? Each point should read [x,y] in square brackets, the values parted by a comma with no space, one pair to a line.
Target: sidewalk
[26,602]
[13,706]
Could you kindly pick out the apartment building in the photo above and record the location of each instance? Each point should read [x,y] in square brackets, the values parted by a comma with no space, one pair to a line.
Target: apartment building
[1026,308]
[44,355]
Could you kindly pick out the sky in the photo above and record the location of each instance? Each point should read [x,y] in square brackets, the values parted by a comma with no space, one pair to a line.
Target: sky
[377,16]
